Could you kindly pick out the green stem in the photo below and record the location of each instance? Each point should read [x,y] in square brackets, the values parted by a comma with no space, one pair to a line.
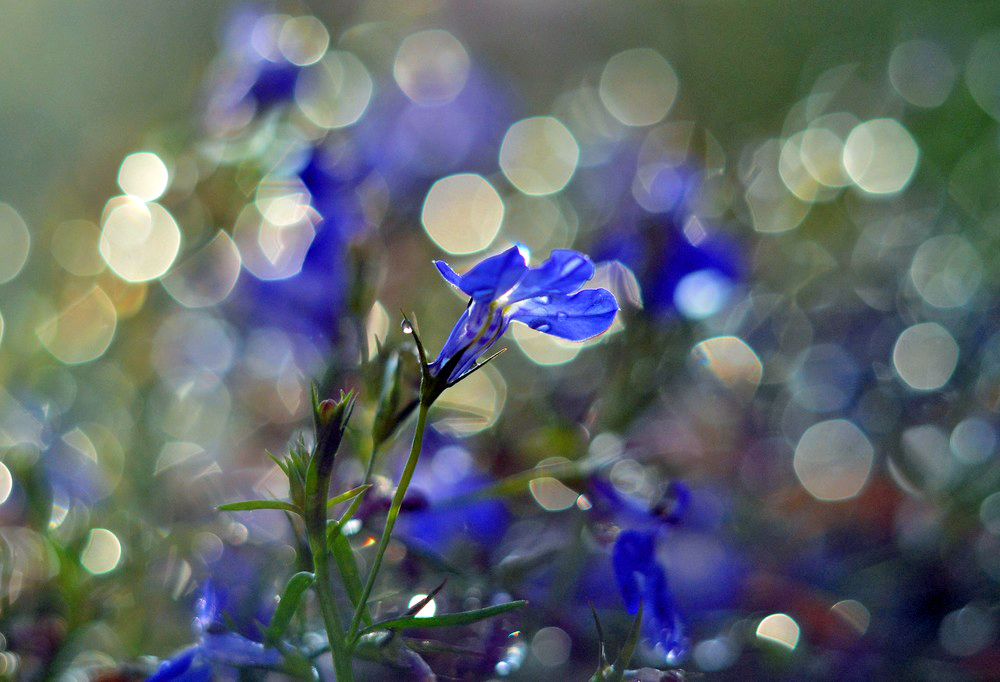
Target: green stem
[371,463]
[390,519]
[328,606]
[317,493]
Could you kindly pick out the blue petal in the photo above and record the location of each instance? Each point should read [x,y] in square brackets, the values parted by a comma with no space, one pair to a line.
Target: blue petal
[658,594]
[576,317]
[674,503]
[180,668]
[564,272]
[232,649]
[494,277]
[449,275]
[631,557]
[456,343]
[206,608]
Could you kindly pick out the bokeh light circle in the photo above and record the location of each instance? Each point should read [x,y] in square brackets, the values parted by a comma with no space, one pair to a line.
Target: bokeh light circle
[102,552]
[303,40]
[16,241]
[922,73]
[780,629]
[822,152]
[541,348]
[143,175]
[335,91]
[968,630]
[207,276]
[982,73]
[925,356]
[973,440]
[431,67]
[462,213]
[75,247]
[638,86]
[946,271]
[81,329]
[270,251]
[539,155]
[6,482]
[833,460]
[880,156]
[139,241]
[731,361]
[702,293]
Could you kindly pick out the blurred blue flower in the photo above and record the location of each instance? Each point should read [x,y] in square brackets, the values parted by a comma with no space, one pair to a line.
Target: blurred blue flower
[451,475]
[628,510]
[503,288]
[683,265]
[412,144]
[214,646]
[641,579]
[251,75]
[333,173]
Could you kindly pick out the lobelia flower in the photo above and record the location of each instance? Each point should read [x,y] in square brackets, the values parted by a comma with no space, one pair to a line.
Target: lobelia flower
[214,646]
[451,514]
[683,264]
[641,579]
[503,288]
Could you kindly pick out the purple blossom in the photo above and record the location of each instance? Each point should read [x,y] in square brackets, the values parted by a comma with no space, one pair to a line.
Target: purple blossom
[641,579]
[503,288]
[214,646]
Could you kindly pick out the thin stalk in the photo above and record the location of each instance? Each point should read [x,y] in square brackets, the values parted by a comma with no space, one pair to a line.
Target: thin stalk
[328,606]
[371,463]
[390,520]
[317,492]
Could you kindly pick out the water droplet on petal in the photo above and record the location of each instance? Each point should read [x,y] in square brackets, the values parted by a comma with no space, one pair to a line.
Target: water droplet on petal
[406,327]
[561,315]
[544,299]
[540,325]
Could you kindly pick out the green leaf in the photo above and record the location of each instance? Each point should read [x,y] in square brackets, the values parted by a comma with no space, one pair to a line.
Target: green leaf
[601,650]
[447,619]
[421,603]
[294,589]
[277,460]
[628,648]
[252,505]
[350,494]
[343,555]
[615,672]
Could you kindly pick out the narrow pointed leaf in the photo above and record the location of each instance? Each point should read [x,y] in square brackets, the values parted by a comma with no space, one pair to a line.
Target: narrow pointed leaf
[347,566]
[628,648]
[350,494]
[602,652]
[252,505]
[447,619]
[421,603]
[290,599]
[277,460]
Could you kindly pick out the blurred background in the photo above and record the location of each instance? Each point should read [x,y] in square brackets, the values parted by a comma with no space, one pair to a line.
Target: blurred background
[206,206]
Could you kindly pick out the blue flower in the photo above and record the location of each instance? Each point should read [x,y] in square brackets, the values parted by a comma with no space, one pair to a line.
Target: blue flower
[503,288]
[641,579]
[443,522]
[194,664]
[669,509]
